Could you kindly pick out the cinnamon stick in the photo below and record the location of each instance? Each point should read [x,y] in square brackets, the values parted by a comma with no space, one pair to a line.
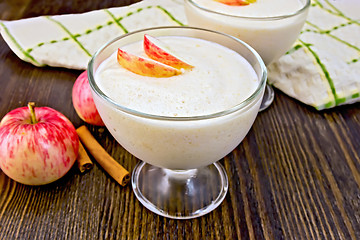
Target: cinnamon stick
[83,160]
[112,167]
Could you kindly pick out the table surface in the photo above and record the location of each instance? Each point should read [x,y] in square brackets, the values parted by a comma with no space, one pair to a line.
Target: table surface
[296,175]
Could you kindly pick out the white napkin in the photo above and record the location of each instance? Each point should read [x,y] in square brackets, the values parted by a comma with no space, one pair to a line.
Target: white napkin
[70,40]
[322,70]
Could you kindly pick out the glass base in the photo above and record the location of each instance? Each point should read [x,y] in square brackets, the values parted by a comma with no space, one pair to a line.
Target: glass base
[268,98]
[180,194]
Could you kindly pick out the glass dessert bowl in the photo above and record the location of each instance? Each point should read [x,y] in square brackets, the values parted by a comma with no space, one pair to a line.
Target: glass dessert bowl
[270,27]
[178,175]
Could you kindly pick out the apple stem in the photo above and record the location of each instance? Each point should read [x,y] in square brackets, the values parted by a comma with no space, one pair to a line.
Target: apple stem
[31,106]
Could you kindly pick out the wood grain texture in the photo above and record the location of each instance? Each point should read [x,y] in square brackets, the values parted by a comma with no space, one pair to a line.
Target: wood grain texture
[295,176]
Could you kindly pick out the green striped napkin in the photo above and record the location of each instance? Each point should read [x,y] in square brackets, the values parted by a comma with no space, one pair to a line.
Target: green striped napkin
[70,40]
[323,67]
[321,70]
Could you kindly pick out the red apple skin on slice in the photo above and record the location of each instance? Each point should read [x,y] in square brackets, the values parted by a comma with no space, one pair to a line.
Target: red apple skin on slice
[158,51]
[145,67]
[234,2]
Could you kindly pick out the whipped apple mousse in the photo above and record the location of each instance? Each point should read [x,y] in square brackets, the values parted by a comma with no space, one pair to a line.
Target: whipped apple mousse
[269,26]
[178,116]
[219,80]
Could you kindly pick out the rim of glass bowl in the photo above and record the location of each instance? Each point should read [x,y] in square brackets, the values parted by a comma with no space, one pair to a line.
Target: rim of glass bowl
[278,17]
[130,111]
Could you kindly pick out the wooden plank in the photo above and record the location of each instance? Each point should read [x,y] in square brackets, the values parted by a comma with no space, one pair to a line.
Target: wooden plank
[295,176]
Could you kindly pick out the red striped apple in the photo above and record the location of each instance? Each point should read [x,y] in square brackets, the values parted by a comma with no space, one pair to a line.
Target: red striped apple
[83,101]
[159,51]
[37,145]
[145,67]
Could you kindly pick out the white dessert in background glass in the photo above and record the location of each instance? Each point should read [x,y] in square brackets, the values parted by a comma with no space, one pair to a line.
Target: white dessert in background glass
[269,26]
[182,125]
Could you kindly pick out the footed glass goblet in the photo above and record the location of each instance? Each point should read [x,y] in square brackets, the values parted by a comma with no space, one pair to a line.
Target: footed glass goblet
[179,175]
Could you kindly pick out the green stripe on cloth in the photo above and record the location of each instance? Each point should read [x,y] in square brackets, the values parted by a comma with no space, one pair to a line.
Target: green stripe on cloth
[170,15]
[328,33]
[27,54]
[323,68]
[70,34]
[116,21]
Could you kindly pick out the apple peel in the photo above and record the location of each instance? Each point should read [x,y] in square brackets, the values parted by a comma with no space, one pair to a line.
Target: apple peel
[159,51]
[236,2]
[145,67]
[83,101]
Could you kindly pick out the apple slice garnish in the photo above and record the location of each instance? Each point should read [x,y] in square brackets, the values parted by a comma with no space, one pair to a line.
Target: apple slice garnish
[159,51]
[236,2]
[145,67]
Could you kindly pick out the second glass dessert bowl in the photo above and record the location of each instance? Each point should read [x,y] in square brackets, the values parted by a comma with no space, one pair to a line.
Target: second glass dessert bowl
[179,176]
[270,34]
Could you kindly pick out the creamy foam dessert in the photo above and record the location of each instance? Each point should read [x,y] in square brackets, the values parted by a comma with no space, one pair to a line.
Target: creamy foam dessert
[219,80]
[260,8]
[269,26]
